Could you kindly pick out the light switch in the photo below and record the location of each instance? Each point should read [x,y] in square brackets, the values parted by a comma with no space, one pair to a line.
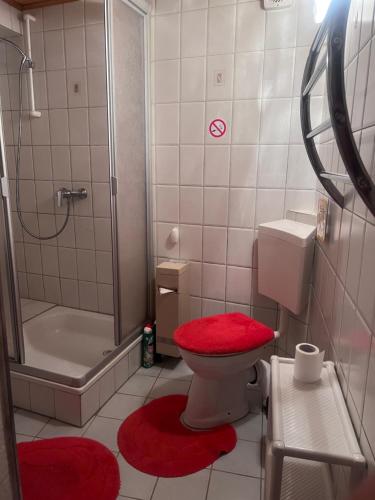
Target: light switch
[219,78]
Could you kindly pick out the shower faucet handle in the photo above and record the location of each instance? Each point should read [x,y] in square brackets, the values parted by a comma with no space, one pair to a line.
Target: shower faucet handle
[69,194]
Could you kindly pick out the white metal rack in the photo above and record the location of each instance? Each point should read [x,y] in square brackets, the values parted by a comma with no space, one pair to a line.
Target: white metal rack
[308,428]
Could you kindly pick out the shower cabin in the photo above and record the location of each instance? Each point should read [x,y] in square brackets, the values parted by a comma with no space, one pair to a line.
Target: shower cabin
[74,219]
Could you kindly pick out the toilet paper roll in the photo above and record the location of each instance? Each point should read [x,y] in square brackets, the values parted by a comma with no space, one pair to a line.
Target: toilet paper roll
[308,363]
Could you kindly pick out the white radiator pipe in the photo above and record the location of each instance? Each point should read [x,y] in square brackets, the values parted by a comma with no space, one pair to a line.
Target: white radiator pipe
[27,18]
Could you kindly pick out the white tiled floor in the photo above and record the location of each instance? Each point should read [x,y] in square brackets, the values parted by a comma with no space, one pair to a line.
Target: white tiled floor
[236,476]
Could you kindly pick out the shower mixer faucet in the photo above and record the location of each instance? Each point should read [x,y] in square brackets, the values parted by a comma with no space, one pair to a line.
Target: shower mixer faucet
[68,194]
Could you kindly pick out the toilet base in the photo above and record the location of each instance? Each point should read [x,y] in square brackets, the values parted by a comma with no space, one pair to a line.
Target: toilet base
[214,402]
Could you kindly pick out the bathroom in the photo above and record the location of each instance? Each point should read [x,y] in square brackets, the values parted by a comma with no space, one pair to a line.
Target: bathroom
[146,137]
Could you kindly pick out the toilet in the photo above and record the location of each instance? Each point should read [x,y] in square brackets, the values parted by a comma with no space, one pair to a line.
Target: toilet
[224,350]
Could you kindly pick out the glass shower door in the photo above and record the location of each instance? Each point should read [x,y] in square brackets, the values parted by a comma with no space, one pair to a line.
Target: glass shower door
[8,273]
[128,135]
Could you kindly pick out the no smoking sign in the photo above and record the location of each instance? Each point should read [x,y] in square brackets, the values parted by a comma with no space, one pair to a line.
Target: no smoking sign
[217,128]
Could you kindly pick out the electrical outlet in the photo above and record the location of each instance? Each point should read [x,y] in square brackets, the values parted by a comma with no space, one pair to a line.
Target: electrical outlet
[277,4]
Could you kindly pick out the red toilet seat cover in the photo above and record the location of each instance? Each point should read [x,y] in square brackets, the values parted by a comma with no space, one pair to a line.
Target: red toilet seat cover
[222,334]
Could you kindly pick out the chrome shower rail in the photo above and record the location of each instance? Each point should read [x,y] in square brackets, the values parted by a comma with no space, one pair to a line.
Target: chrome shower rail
[333,29]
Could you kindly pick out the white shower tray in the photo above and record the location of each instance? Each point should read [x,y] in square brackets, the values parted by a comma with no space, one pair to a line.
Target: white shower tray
[308,422]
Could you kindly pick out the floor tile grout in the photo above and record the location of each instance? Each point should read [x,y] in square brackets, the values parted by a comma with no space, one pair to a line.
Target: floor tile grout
[117,453]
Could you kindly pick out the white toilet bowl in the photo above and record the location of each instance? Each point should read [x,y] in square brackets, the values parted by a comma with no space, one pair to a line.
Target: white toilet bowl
[223,352]
[222,389]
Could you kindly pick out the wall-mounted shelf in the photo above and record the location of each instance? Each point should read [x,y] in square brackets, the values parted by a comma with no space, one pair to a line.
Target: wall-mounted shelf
[333,31]
[33,4]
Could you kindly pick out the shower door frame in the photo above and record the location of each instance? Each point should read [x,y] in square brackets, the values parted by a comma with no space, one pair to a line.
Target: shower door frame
[142,8]
[10,258]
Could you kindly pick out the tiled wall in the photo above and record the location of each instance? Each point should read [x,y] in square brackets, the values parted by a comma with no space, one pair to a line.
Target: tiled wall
[66,147]
[343,299]
[217,191]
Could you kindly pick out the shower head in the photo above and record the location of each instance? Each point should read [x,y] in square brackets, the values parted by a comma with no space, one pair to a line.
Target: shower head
[26,58]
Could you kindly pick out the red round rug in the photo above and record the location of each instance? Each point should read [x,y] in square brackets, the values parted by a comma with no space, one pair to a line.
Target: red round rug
[68,468]
[154,441]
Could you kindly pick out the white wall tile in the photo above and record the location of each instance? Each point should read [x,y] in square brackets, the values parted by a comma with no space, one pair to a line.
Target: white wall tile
[238,285]
[53,17]
[54,49]
[193,79]
[99,160]
[240,247]
[269,205]
[251,22]
[167,202]
[355,256]
[300,172]
[190,242]
[56,86]
[242,207]
[243,168]
[95,45]
[248,75]
[94,12]
[360,88]
[221,20]
[281,28]
[215,206]
[215,244]
[52,289]
[98,127]
[78,126]
[167,81]
[69,291]
[216,170]
[275,122]
[192,123]
[167,37]
[73,14]
[246,122]
[88,296]
[86,265]
[194,4]
[307,26]
[272,168]
[59,128]
[191,205]
[166,123]
[366,295]
[167,164]
[278,73]
[213,284]
[61,168]
[191,165]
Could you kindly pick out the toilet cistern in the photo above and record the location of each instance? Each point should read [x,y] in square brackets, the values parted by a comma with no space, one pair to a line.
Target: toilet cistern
[285,255]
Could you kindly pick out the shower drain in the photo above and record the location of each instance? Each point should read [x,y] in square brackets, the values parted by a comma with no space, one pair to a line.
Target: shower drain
[108,351]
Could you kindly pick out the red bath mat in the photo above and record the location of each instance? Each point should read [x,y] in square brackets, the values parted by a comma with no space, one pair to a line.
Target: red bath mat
[153,440]
[68,468]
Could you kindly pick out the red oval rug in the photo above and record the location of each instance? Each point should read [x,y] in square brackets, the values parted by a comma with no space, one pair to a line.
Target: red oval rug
[154,441]
[68,468]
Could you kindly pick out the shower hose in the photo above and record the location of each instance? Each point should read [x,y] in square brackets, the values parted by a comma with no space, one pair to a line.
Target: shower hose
[18,158]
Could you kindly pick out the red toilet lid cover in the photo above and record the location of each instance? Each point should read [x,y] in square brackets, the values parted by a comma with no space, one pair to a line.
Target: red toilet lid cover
[223,334]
